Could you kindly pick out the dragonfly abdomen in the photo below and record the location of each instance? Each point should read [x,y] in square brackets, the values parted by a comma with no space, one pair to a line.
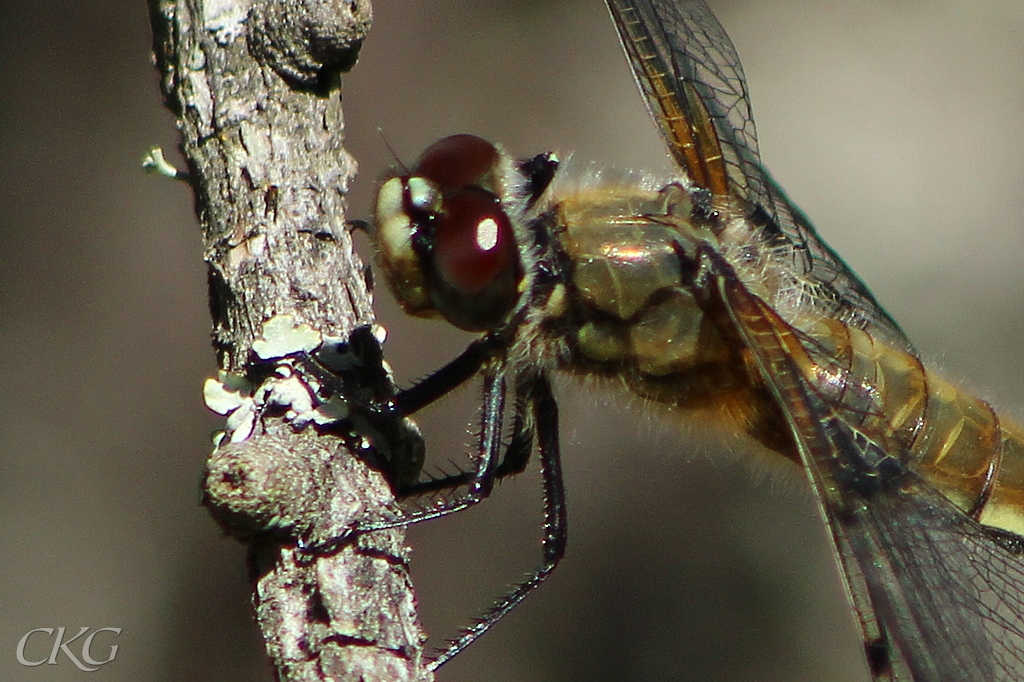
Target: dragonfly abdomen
[971,454]
[955,441]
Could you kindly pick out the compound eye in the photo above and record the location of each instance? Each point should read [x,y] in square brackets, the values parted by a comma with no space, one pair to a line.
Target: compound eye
[457,161]
[473,244]
[476,261]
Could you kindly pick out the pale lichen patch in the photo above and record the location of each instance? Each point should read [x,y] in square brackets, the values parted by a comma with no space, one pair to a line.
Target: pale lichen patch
[283,336]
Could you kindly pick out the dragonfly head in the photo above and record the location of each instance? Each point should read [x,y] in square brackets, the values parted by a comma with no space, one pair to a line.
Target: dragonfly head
[444,238]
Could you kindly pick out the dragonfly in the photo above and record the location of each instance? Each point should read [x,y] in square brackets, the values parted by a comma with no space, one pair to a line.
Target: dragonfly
[713,294]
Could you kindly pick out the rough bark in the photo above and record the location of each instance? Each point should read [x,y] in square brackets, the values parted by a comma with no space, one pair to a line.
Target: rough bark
[255,87]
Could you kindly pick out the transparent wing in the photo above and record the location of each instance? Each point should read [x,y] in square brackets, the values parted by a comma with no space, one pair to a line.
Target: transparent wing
[685,65]
[693,84]
[939,597]
[946,590]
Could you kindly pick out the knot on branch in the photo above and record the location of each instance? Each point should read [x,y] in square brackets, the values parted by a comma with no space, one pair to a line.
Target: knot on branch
[304,41]
[296,488]
[263,485]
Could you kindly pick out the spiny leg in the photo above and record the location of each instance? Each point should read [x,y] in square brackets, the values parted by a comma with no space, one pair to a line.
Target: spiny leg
[435,386]
[520,445]
[481,479]
[514,461]
[445,380]
[537,393]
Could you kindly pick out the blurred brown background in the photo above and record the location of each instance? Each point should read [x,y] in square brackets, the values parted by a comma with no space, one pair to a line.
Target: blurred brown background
[897,126]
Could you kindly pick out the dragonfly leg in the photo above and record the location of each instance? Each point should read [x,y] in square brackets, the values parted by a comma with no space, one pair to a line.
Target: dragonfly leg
[480,479]
[537,391]
[520,446]
[514,461]
[448,378]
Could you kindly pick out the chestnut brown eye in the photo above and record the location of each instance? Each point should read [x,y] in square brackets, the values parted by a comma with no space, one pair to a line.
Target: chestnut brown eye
[473,243]
[475,261]
[457,161]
